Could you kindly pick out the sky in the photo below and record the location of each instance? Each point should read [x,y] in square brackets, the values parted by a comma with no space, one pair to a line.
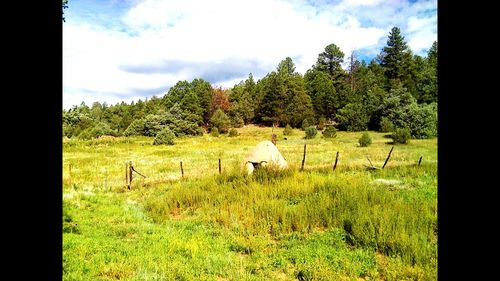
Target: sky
[127,50]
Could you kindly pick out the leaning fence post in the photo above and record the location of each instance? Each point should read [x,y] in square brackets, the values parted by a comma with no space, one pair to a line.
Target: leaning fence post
[336,159]
[420,161]
[387,159]
[303,158]
[182,170]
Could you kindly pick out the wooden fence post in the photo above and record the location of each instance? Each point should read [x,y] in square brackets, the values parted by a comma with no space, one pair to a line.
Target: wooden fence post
[303,158]
[130,167]
[273,139]
[420,161]
[182,170]
[336,158]
[220,169]
[373,167]
[387,159]
[126,175]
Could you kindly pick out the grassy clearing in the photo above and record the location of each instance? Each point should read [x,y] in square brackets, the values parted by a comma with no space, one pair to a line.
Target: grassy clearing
[312,225]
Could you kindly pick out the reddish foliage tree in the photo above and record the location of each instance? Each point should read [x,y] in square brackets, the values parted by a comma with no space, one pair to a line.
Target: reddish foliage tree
[220,100]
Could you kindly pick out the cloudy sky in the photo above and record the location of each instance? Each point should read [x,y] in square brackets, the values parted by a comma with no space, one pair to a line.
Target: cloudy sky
[126,50]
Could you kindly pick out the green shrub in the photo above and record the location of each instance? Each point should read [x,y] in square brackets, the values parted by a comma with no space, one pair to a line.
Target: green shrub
[353,117]
[185,128]
[288,130]
[214,132]
[401,135]
[321,123]
[330,132]
[233,132]
[305,124]
[69,226]
[165,136]
[220,121]
[311,132]
[100,129]
[153,124]
[386,125]
[422,120]
[365,140]
[237,121]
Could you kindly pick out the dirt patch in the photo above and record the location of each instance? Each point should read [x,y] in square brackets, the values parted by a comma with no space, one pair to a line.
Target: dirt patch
[175,214]
[387,182]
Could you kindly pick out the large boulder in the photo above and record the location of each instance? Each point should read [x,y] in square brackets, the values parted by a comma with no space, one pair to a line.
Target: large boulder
[265,153]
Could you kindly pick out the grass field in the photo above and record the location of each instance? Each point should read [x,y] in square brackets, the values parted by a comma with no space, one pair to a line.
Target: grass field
[316,224]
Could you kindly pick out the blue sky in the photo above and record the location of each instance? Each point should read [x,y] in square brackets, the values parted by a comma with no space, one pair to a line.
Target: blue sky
[128,50]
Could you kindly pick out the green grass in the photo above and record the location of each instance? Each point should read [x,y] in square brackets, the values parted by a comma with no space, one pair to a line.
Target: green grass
[318,224]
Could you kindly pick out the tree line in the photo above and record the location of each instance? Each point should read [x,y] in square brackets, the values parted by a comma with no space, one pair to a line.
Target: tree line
[397,89]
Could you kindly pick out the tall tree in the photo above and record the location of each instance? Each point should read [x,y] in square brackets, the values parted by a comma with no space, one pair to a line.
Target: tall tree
[194,97]
[300,106]
[331,61]
[203,90]
[219,101]
[243,101]
[354,66]
[399,64]
[286,67]
[274,100]
[432,55]
[324,97]
[393,55]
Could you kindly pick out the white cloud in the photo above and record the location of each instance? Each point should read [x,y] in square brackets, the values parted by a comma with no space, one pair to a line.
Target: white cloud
[207,35]
[422,33]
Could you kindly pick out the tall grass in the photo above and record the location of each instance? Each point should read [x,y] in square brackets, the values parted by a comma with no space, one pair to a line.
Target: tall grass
[315,224]
[373,216]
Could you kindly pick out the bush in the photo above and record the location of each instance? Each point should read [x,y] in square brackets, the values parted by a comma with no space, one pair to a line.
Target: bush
[165,136]
[185,128]
[237,121]
[330,132]
[233,132]
[68,225]
[220,121]
[214,132]
[100,129]
[288,130]
[353,117]
[321,123]
[401,135]
[365,140]
[311,132]
[153,124]
[305,124]
[422,120]
[386,125]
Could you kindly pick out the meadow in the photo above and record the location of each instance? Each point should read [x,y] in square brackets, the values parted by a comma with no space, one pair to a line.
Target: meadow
[317,224]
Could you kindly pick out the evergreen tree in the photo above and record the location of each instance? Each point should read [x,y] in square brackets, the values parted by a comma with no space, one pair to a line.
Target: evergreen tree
[393,55]
[275,99]
[330,61]
[286,67]
[220,121]
[432,55]
[397,59]
[325,99]
[300,106]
